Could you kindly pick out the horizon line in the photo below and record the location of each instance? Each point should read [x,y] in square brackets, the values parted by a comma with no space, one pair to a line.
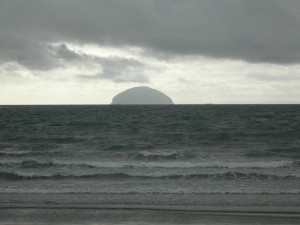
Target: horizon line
[205,104]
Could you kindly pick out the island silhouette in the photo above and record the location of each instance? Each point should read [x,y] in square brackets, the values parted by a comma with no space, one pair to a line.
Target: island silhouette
[141,96]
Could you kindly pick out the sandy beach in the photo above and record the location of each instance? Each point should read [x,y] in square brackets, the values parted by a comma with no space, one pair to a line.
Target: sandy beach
[142,214]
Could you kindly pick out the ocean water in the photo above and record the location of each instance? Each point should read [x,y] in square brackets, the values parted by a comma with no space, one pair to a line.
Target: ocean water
[151,155]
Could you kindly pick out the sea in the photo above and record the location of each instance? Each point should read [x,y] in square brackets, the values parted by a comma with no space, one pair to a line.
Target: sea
[140,156]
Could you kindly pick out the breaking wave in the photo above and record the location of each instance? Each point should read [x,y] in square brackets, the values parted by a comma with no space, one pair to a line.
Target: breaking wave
[226,176]
[152,164]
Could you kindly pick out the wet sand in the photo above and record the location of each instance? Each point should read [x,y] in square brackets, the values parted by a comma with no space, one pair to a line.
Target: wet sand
[145,214]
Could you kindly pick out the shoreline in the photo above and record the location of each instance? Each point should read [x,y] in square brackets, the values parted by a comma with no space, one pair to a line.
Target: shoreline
[288,211]
[63,214]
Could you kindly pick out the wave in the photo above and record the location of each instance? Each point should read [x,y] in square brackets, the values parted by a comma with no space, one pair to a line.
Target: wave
[14,153]
[120,147]
[24,176]
[149,165]
[147,192]
[43,164]
[285,152]
[153,156]
[36,164]
[226,176]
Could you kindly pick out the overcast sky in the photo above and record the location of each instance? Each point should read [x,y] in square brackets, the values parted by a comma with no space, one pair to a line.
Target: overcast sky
[195,51]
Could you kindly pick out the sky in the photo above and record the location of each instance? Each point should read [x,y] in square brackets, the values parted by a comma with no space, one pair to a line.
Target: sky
[195,51]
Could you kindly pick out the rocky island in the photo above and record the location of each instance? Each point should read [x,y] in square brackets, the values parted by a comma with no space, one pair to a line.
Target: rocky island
[141,96]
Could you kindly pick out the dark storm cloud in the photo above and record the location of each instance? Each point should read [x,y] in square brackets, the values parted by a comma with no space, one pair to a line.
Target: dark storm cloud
[250,30]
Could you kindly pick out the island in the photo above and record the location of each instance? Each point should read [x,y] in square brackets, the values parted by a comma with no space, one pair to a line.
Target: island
[141,96]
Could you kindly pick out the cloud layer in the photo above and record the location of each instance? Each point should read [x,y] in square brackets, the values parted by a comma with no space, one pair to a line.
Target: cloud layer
[197,51]
[254,31]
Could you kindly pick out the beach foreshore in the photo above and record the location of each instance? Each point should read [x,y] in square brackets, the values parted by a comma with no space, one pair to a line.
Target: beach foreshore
[241,210]
[16,213]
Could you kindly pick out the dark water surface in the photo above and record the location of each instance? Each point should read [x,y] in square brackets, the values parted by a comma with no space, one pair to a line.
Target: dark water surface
[190,155]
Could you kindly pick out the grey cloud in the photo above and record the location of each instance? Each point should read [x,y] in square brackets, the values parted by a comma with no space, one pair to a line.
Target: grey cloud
[21,49]
[113,68]
[123,70]
[120,70]
[268,77]
[63,52]
[250,30]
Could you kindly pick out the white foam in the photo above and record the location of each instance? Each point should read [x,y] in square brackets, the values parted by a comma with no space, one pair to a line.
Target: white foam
[179,164]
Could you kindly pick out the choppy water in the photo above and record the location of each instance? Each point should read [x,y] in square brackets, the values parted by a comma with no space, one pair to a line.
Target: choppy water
[158,150]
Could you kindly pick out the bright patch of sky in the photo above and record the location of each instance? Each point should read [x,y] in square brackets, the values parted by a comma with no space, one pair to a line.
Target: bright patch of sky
[188,80]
